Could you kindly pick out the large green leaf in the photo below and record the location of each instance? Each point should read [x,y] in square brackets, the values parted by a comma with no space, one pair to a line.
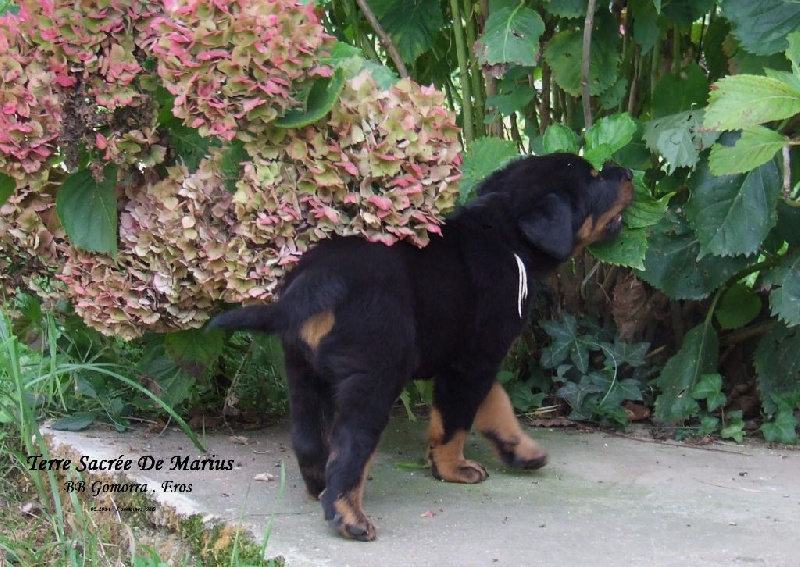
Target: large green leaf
[564,53]
[88,210]
[7,187]
[679,138]
[762,25]
[566,8]
[323,95]
[412,24]
[645,210]
[628,249]
[696,357]
[681,91]
[785,300]
[739,306]
[645,23]
[483,157]
[607,136]
[740,101]
[777,362]
[511,36]
[732,215]
[789,222]
[560,138]
[672,264]
[194,346]
[755,147]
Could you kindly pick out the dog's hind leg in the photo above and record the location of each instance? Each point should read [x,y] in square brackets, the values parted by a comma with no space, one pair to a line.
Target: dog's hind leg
[312,412]
[496,420]
[364,402]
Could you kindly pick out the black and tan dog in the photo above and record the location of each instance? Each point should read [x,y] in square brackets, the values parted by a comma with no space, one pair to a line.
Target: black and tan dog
[358,320]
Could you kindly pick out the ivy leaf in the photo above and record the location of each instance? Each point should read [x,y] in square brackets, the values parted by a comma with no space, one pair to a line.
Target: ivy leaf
[739,101]
[696,357]
[627,249]
[739,306]
[560,138]
[7,187]
[679,138]
[782,430]
[777,363]
[412,24]
[735,428]
[709,388]
[785,300]
[511,36]
[566,343]
[87,210]
[762,25]
[732,215]
[756,147]
[323,95]
[607,136]
[483,157]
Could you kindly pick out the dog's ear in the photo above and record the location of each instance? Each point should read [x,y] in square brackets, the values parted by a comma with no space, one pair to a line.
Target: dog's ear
[550,227]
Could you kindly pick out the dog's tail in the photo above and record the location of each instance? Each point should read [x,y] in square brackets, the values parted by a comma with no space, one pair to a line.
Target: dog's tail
[264,318]
[309,294]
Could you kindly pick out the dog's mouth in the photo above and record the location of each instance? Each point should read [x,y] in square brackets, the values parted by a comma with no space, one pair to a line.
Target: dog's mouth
[613,226]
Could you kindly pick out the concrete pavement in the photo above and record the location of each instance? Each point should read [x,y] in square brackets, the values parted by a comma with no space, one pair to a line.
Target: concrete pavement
[603,499]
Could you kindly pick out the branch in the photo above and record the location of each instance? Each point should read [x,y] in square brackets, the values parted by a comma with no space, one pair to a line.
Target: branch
[588,23]
[384,37]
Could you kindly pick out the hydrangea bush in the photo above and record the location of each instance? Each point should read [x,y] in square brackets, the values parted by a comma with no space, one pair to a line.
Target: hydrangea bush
[216,199]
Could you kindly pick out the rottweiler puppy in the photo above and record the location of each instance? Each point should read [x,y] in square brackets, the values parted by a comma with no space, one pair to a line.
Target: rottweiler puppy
[359,319]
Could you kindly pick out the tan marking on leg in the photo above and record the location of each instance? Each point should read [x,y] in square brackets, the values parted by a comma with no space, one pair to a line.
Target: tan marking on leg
[496,420]
[447,459]
[353,523]
[316,327]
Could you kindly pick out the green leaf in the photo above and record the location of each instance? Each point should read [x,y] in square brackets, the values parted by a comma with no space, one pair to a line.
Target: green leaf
[756,147]
[785,300]
[645,24]
[789,222]
[607,136]
[777,363]
[560,138]
[507,104]
[645,210]
[565,51]
[187,143]
[709,388]
[762,25]
[672,263]
[76,422]
[483,157]
[696,357]
[739,306]
[567,342]
[511,36]
[7,187]
[231,164]
[194,346]
[566,8]
[88,210]
[628,249]
[323,95]
[793,51]
[739,101]
[679,92]
[782,430]
[732,215]
[679,138]
[412,24]
[735,428]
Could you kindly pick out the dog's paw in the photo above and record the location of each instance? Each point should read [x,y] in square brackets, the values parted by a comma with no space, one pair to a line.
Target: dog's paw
[356,527]
[463,471]
[527,455]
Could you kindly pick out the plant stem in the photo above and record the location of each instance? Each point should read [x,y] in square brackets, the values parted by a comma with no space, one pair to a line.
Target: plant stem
[463,72]
[387,42]
[588,24]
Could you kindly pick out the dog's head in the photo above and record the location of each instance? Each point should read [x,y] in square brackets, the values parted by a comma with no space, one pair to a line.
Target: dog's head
[561,203]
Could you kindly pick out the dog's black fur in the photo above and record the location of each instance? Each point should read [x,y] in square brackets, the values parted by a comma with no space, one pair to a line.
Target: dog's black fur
[358,320]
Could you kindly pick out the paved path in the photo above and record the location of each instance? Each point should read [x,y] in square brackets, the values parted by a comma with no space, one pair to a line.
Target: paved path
[602,500]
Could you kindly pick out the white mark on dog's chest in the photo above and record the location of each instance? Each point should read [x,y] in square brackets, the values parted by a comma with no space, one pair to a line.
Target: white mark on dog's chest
[522,288]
